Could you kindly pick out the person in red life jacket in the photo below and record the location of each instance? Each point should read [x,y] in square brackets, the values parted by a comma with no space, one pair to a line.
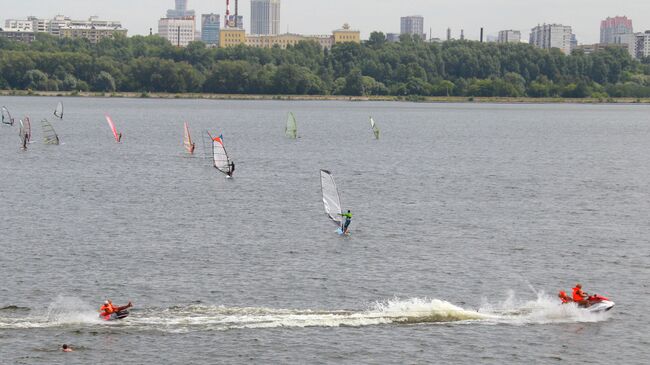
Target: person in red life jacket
[564,297]
[108,308]
[579,296]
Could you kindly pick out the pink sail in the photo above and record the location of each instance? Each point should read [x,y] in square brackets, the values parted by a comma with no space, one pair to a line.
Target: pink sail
[118,136]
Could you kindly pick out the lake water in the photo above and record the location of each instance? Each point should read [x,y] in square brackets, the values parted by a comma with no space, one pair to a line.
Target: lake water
[468,218]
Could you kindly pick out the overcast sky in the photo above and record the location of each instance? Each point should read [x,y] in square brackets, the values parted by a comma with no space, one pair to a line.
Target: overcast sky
[323,16]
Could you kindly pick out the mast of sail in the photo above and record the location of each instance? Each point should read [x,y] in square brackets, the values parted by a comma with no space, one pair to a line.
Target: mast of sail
[49,135]
[374,127]
[6,116]
[117,135]
[58,111]
[291,130]
[187,140]
[219,156]
[331,197]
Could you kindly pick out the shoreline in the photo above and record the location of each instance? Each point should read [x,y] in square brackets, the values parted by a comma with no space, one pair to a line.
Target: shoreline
[414,99]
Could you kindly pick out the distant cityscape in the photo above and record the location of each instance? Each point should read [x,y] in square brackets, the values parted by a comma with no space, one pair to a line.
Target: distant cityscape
[179,26]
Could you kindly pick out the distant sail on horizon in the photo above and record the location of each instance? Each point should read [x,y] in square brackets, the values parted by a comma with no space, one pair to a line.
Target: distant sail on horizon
[58,111]
[117,135]
[331,197]
[291,130]
[49,134]
[374,127]
[6,116]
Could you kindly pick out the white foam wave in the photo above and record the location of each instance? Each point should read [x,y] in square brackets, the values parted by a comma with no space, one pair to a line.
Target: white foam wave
[545,309]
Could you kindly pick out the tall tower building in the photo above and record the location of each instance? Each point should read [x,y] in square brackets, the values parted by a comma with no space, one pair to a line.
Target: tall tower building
[265,17]
[413,25]
[180,11]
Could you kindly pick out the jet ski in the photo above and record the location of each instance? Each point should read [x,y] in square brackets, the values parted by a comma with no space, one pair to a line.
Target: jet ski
[598,303]
[115,316]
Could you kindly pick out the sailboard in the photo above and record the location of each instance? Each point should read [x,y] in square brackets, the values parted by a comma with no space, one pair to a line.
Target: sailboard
[220,159]
[6,116]
[187,140]
[116,134]
[291,130]
[49,134]
[331,199]
[58,111]
[374,127]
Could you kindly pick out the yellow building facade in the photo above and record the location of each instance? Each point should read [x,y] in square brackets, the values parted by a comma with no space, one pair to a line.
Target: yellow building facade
[230,37]
[284,40]
[346,35]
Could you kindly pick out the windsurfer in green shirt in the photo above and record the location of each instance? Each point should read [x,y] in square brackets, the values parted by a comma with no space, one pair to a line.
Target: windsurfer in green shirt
[348,220]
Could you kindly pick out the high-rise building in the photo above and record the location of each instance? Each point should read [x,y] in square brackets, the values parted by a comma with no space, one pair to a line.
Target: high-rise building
[210,26]
[180,11]
[448,34]
[265,17]
[179,31]
[509,36]
[611,27]
[642,44]
[413,25]
[549,36]
[618,30]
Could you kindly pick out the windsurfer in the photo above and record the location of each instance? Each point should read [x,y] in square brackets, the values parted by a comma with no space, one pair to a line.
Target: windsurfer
[25,139]
[192,146]
[232,169]
[348,220]
[119,137]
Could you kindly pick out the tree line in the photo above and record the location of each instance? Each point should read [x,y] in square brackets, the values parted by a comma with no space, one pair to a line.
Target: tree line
[410,67]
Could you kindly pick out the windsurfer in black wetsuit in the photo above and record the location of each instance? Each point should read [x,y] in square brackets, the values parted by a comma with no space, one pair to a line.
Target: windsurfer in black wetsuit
[232,169]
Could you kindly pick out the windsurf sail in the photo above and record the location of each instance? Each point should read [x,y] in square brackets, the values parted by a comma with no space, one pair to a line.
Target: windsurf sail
[6,116]
[291,129]
[22,134]
[220,158]
[374,127]
[118,136]
[58,112]
[27,125]
[49,135]
[187,140]
[331,197]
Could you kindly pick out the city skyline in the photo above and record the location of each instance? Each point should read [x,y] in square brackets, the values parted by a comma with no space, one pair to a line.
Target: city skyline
[368,15]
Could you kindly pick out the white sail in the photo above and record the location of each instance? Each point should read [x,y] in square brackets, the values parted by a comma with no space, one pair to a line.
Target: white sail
[331,198]
[374,127]
[58,112]
[291,129]
[219,156]
[27,128]
[49,135]
[6,116]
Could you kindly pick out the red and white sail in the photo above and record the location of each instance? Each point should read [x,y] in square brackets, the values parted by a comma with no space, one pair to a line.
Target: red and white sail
[112,125]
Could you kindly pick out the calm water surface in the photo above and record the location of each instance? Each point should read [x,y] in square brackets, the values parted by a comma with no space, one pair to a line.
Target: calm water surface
[467,220]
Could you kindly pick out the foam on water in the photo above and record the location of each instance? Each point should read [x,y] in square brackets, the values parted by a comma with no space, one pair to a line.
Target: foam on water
[545,309]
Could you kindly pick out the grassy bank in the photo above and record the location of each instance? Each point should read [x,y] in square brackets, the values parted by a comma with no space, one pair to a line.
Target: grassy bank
[423,99]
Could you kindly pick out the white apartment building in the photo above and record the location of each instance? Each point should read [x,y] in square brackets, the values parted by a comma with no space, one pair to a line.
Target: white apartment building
[179,31]
[549,36]
[15,25]
[509,36]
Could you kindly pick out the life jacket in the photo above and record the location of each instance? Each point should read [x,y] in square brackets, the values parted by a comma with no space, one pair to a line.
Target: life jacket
[577,297]
[564,298]
[107,309]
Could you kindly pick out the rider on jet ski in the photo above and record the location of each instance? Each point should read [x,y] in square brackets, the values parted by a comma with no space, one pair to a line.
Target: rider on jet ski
[579,296]
[108,308]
